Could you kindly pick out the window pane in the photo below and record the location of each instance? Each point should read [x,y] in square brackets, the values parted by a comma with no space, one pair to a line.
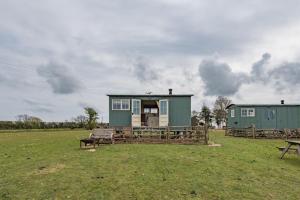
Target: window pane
[125,104]
[232,113]
[244,112]
[136,107]
[251,112]
[146,110]
[116,104]
[153,110]
[163,108]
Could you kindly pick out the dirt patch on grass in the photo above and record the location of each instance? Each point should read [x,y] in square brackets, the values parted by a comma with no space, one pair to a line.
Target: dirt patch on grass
[43,170]
[214,145]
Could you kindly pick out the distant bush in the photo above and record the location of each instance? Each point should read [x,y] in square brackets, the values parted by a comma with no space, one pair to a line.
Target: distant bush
[11,125]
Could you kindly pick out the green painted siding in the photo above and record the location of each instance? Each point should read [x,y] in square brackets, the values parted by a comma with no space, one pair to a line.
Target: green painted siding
[266,117]
[119,117]
[179,111]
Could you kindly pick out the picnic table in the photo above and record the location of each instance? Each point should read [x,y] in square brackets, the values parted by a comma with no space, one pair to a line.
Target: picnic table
[289,147]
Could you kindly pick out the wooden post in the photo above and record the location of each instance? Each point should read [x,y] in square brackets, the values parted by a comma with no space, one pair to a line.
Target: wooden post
[168,134]
[253,130]
[286,134]
[206,134]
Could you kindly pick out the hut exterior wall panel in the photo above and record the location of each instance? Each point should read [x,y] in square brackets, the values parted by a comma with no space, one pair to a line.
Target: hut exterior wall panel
[119,117]
[284,117]
[179,111]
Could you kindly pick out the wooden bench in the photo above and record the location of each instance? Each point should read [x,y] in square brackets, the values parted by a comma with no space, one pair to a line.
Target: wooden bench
[88,141]
[99,136]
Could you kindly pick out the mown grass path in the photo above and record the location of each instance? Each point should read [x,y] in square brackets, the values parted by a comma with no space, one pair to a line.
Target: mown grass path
[50,165]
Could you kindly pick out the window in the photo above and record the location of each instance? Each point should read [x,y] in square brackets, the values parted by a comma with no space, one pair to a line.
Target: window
[153,110]
[248,112]
[125,104]
[244,112]
[116,104]
[136,107]
[232,113]
[150,110]
[120,104]
[147,110]
[251,112]
[270,114]
[163,107]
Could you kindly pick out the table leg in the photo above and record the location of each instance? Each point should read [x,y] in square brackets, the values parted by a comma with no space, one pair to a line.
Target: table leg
[285,150]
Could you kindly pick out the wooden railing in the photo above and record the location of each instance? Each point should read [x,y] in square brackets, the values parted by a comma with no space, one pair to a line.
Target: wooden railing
[252,132]
[170,134]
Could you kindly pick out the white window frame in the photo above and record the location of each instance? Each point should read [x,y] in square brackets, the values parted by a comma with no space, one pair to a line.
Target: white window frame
[165,109]
[232,113]
[136,107]
[250,112]
[122,103]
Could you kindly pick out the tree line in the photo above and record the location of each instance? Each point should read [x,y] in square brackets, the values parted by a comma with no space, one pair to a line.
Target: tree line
[89,119]
[24,121]
[217,114]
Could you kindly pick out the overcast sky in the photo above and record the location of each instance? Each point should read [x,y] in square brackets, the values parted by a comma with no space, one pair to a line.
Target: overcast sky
[59,56]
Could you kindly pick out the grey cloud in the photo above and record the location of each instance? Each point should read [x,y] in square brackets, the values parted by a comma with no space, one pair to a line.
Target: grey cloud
[143,71]
[60,78]
[2,78]
[182,28]
[39,107]
[219,79]
[258,71]
[13,81]
[286,76]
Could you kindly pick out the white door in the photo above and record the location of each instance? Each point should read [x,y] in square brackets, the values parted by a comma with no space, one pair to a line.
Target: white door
[136,112]
[163,113]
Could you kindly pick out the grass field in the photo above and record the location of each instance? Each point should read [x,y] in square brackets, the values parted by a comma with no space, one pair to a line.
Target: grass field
[50,165]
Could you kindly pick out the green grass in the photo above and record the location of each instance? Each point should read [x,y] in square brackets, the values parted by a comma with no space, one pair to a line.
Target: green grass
[49,165]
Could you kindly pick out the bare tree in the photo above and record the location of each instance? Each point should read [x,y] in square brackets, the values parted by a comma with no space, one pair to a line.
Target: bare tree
[28,118]
[81,120]
[23,117]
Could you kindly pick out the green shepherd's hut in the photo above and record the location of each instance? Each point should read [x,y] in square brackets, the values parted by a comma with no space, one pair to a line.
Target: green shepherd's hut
[149,110]
[264,116]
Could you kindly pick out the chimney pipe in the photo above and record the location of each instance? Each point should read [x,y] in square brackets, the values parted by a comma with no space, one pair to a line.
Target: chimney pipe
[282,102]
[170,91]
